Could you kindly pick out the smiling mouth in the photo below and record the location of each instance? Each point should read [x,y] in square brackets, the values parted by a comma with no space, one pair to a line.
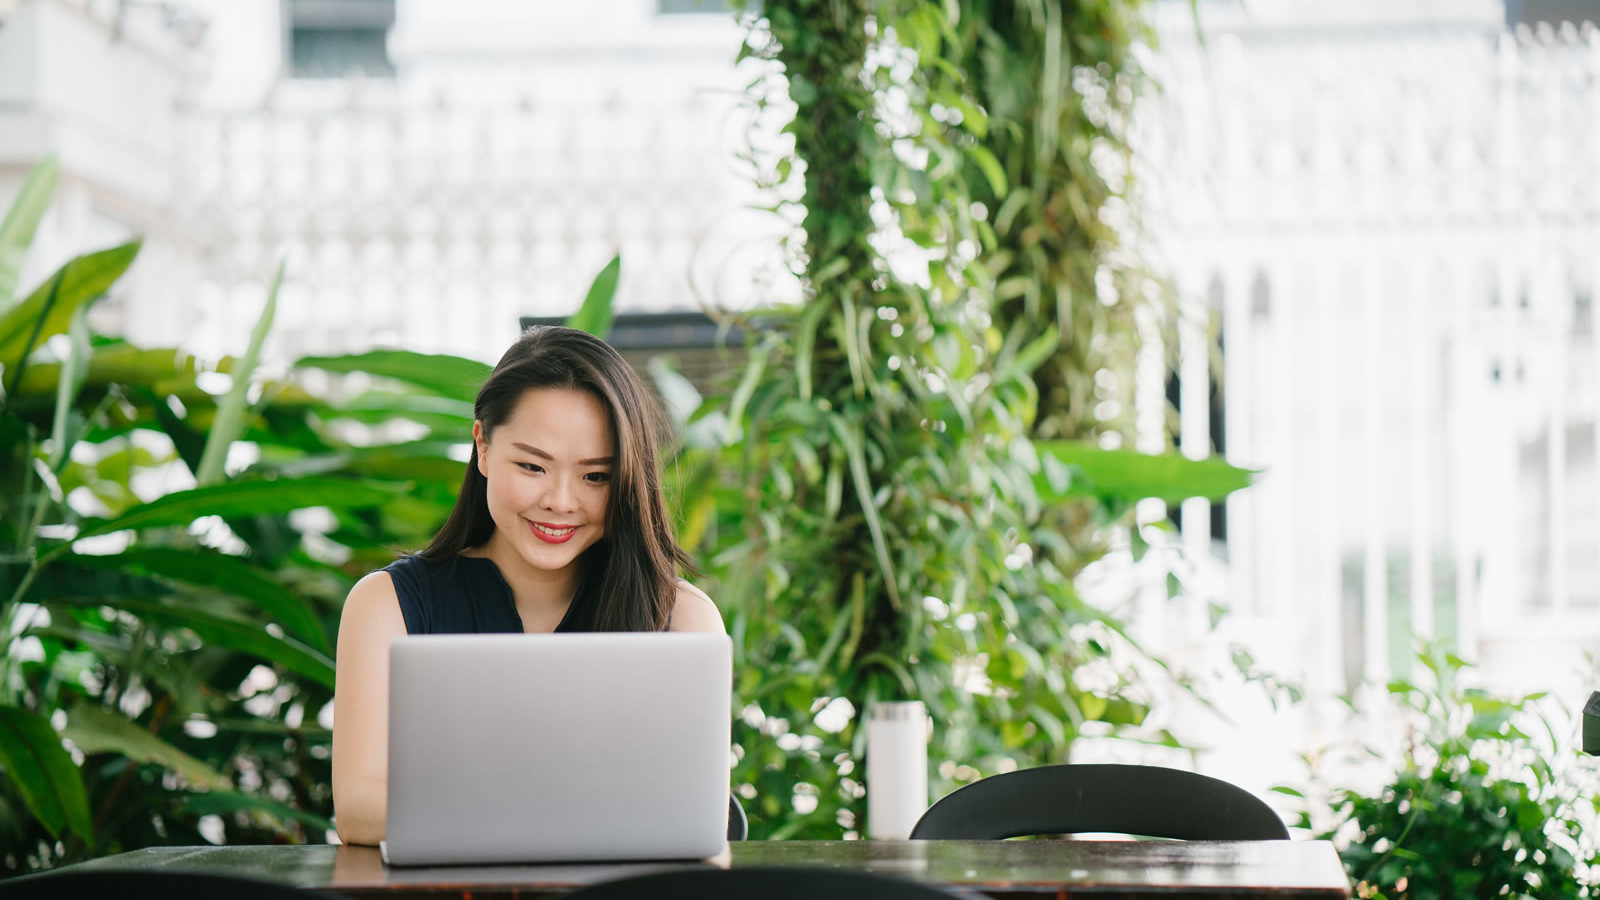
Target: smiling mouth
[552,534]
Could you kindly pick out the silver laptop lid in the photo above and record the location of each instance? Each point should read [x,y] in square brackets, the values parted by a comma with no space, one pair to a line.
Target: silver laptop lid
[535,748]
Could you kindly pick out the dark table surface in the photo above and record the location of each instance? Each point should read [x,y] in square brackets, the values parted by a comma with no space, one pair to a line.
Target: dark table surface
[1169,870]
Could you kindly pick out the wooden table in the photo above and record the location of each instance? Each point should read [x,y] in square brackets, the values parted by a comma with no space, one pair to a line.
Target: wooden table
[1103,870]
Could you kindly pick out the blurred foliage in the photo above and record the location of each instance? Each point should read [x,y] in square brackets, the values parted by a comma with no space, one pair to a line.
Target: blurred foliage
[175,544]
[1480,808]
[1041,107]
[896,532]
[1051,86]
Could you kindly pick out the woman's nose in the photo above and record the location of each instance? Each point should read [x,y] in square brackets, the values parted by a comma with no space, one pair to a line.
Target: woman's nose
[561,495]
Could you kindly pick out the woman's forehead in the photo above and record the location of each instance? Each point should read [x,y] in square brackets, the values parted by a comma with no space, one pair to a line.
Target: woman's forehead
[569,422]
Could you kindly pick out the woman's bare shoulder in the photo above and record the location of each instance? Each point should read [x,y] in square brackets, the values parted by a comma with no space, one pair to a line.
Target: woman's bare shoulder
[694,611]
[373,601]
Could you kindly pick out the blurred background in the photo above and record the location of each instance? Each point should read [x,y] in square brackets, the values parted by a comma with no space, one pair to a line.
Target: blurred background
[1379,221]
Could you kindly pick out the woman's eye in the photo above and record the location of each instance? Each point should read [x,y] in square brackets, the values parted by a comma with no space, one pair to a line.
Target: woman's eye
[529,467]
[598,477]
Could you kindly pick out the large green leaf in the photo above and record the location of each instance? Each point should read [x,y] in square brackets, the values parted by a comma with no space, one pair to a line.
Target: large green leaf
[423,462]
[64,430]
[992,171]
[442,416]
[596,315]
[48,311]
[245,637]
[373,405]
[1130,475]
[849,435]
[164,371]
[69,580]
[243,498]
[44,773]
[447,376]
[16,232]
[96,731]
[186,440]
[252,725]
[229,422]
[225,803]
[227,574]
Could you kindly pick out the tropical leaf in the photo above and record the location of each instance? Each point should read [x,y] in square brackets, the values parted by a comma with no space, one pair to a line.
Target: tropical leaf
[992,171]
[65,431]
[849,435]
[596,315]
[43,773]
[48,311]
[447,376]
[186,440]
[1130,475]
[21,222]
[166,372]
[445,425]
[227,574]
[377,406]
[238,498]
[425,462]
[252,725]
[229,422]
[1034,354]
[225,803]
[96,731]
[245,637]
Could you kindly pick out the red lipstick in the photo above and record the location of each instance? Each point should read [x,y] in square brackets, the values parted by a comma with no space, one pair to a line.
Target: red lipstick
[563,533]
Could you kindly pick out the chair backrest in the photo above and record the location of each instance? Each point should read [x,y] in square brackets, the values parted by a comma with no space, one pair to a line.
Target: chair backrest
[94,884]
[1150,801]
[738,825]
[763,883]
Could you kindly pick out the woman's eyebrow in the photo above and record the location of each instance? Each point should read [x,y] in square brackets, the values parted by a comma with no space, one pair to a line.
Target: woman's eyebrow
[535,451]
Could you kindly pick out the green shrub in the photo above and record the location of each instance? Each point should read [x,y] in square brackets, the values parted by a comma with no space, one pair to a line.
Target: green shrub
[1479,808]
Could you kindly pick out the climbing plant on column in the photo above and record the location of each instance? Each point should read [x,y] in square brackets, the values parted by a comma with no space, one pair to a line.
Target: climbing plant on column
[881,543]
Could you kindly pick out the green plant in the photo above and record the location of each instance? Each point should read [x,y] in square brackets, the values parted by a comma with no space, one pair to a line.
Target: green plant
[888,536]
[1480,808]
[159,613]
[1052,86]
[1037,97]
[166,616]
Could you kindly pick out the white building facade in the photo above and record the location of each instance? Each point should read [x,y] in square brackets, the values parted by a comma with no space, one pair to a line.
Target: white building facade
[1392,212]
[484,166]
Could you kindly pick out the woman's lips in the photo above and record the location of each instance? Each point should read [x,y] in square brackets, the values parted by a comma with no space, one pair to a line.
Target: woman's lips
[552,534]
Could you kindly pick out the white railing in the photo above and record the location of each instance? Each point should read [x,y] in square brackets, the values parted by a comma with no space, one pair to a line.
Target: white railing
[433,218]
[1398,232]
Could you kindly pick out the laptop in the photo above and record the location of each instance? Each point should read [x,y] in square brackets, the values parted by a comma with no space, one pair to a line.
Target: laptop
[512,748]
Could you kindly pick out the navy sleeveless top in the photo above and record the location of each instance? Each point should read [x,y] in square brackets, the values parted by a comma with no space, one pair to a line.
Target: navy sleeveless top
[467,595]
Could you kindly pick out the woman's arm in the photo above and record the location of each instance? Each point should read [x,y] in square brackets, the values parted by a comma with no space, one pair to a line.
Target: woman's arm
[370,622]
[694,611]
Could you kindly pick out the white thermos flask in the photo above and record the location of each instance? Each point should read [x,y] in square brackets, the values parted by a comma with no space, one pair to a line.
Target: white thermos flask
[897,768]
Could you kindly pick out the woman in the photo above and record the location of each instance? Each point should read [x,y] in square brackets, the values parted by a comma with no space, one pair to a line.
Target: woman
[559,526]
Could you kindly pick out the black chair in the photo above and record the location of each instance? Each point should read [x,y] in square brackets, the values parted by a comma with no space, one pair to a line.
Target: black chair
[1148,801]
[94,884]
[764,883]
[738,825]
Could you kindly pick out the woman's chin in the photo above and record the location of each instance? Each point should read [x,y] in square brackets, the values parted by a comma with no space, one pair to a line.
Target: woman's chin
[551,557]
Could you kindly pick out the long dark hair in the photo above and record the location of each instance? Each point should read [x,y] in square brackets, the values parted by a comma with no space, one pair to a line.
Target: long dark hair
[637,563]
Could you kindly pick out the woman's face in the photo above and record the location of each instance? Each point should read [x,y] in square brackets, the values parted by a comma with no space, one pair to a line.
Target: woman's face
[549,471]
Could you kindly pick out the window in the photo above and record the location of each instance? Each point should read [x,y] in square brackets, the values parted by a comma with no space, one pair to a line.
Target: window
[338,38]
[721,7]
[1536,12]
